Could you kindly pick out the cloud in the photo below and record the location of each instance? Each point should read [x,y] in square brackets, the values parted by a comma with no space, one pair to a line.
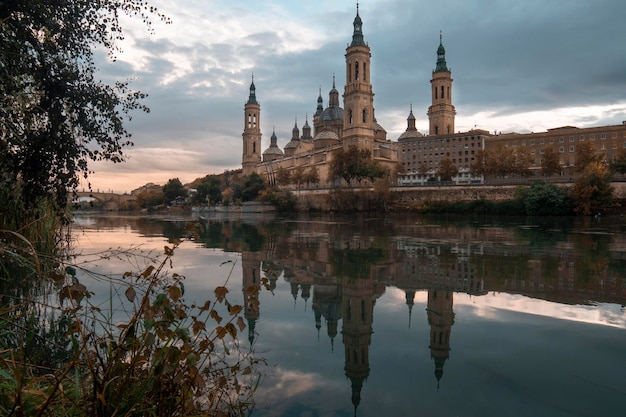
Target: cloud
[524,66]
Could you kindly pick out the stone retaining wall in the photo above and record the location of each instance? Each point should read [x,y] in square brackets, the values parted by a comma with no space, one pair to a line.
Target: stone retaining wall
[409,197]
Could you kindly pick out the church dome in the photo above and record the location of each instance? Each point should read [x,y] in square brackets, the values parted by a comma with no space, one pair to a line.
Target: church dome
[411,134]
[332,113]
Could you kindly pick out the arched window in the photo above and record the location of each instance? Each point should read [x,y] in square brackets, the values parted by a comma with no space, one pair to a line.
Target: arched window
[253,147]
[364,116]
[350,116]
[349,72]
[448,93]
[435,92]
[436,130]
[364,71]
[356,71]
[442,96]
[254,120]
[249,120]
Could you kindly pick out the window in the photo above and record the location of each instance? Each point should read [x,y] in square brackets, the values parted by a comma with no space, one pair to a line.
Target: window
[442,91]
[571,149]
[571,138]
[364,115]
[560,140]
[541,151]
[561,150]
[542,141]
[581,138]
[356,71]
[551,140]
[602,136]
[614,136]
[592,137]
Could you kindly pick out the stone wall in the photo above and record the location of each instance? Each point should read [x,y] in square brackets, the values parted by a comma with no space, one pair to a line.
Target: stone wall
[412,197]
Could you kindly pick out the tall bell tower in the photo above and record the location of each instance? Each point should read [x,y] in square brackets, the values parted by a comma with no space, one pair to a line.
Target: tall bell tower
[251,156]
[441,113]
[358,122]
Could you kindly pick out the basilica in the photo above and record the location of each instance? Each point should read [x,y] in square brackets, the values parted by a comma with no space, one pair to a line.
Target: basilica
[336,127]
[414,157]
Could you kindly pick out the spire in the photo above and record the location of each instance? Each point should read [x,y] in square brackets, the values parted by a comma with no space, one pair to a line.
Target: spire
[252,98]
[357,35]
[441,56]
[320,103]
[333,100]
[273,139]
[411,120]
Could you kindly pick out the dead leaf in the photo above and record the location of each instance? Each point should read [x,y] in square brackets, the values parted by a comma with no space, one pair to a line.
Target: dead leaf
[130,294]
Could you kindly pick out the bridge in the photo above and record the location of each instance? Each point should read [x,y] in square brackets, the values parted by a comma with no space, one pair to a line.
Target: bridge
[109,201]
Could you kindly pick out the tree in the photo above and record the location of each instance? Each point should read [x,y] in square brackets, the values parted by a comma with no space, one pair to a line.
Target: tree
[354,163]
[447,170]
[283,177]
[546,200]
[209,189]
[252,186]
[479,166]
[173,190]
[619,162]
[298,176]
[56,117]
[585,155]
[312,176]
[520,162]
[550,163]
[592,191]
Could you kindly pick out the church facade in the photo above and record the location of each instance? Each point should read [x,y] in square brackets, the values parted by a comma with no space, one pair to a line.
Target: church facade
[334,127]
[414,157]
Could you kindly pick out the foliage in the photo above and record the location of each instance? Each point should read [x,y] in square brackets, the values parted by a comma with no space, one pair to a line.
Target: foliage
[163,359]
[354,163]
[512,207]
[298,176]
[209,189]
[546,200]
[252,187]
[502,161]
[550,163]
[447,170]
[592,192]
[282,199]
[283,176]
[585,155]
[619,162]
[150,199]
[56,117]
[173,190]
[311,176]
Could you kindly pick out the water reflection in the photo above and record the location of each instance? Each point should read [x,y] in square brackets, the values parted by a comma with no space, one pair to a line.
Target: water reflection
[343,267]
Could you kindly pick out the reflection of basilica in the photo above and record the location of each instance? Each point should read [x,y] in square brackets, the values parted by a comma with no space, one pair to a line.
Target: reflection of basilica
[350,300]
[342,273]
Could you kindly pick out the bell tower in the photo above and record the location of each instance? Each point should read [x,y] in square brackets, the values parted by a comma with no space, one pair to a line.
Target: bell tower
[441,113]
[251,156]
[358,122]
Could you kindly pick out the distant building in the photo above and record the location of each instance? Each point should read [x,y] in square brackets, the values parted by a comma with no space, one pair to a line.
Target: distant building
[607,141]
[416,157]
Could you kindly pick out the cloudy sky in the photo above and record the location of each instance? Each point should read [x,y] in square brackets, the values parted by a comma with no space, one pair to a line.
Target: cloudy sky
[517,66]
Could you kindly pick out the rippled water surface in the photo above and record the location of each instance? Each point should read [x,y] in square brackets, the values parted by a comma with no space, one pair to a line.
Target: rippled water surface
[405,315]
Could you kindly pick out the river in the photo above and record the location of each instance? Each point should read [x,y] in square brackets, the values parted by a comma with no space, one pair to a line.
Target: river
[403,315]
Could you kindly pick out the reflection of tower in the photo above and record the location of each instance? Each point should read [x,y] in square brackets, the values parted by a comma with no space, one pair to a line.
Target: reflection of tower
[440,319]
[409,295]
[358,313]
[251,286]
[327,304]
